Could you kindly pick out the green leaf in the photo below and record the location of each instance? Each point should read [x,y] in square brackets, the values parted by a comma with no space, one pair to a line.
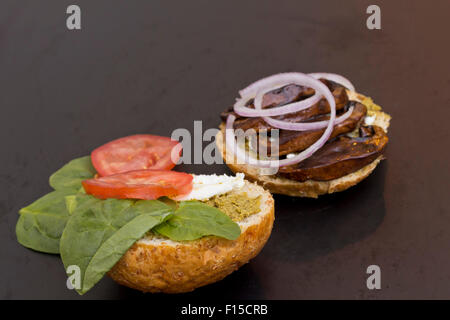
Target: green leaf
[194,219]
[99,232]
[41,223]
[71,203]
[71,175]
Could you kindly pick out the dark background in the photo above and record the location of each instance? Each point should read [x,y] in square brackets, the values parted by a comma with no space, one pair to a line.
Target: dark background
[154,66]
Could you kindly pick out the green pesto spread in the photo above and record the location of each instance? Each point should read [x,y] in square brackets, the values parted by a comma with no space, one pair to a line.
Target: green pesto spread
[236,206]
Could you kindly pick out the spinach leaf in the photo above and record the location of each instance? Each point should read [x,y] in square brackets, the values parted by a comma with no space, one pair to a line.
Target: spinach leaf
[99,232]
[71,175]
[194,219]
[41,223]
[71,203]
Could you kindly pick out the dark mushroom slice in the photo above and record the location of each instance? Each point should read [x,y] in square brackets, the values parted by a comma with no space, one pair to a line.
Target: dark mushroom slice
[296,141]
[339,157]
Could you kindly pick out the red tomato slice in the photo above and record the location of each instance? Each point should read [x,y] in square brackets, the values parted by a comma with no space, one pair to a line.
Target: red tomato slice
[141,184]
[137,152]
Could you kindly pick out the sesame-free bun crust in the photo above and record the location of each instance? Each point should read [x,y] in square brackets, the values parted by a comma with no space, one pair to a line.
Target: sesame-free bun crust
[160,265]
[309,188]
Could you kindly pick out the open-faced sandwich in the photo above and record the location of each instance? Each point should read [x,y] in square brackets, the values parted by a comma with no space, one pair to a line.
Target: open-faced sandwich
[318,134]
[123,212]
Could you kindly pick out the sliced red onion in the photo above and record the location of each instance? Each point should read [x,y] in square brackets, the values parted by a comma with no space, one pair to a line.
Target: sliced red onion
[253,88]
[304,126]
[268,84]
[333,77]
[257,90]
[239,152]
[277,81]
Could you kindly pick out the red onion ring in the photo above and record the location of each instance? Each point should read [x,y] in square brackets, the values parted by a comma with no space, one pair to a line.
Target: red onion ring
[255,90]
[333,77]
[277,81]
[239,152]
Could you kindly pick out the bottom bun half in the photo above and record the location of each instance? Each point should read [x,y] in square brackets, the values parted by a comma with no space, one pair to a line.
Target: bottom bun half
[160,265]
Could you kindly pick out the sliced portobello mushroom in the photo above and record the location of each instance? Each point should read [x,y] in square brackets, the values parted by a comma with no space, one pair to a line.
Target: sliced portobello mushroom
[296,141]
[340,156]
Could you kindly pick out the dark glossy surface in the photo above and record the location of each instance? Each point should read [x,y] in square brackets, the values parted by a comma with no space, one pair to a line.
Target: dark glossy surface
[153,66]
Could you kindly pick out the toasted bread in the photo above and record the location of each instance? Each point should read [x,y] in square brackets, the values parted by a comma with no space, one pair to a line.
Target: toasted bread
[309,188]
[155,264]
